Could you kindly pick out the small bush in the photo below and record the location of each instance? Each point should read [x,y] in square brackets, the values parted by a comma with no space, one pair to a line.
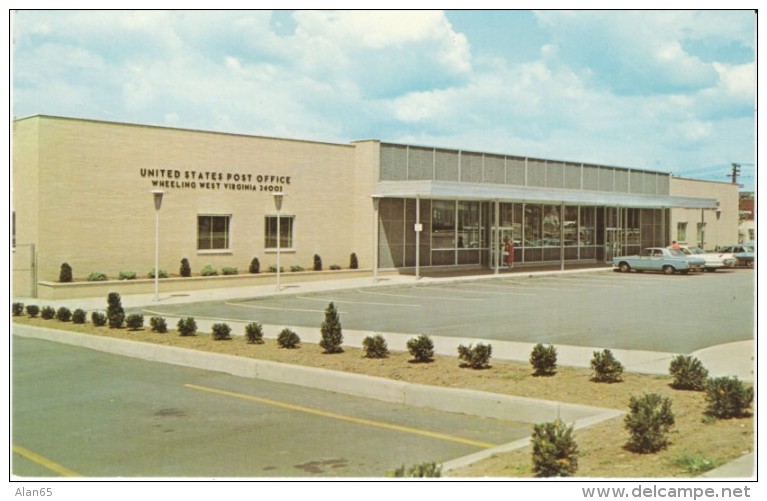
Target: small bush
[544,360]
[208,271]
[688,373]
[134,321]
[555,453]
[65,273]
[158,324]
[727,397]
[79,316]
[375,347]
[98,276]
[317,263]
[230,270]
[353,262]
[422,348]
[63,314]
[606,368]
[695,465]
[296,268]
[127,275]
[186,326]
[422,470]
[255,266]
[162,274]
[221,332]
[273,268]
[33,310]
[649,422]
[185,270]
[476,357]
[99,319]
[17,309]
[332,334]
[115,312]
[254,333]
[335,267]
[47,313]
[288,339]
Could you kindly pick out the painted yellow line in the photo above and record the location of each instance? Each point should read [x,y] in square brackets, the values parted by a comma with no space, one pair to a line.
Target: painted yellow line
[45,462]
[333,415]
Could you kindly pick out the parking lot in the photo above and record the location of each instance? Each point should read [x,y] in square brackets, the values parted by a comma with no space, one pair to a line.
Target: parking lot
[678,314]
[78,412]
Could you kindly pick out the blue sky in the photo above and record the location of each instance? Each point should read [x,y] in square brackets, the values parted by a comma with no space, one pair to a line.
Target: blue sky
[662,90]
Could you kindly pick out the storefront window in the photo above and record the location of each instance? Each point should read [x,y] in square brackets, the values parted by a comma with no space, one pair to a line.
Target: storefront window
[551,228]
[587,230]
[571,225]
[469,230]
[213,232]
[533,226]
[442,225]
[286,232]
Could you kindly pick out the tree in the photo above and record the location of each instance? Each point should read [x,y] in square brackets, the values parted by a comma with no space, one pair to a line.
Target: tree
[332,335]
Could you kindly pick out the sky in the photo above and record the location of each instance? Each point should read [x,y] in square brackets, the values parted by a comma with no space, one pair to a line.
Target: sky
[673,91]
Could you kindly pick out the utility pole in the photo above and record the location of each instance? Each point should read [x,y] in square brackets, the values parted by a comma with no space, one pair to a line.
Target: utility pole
[735,172]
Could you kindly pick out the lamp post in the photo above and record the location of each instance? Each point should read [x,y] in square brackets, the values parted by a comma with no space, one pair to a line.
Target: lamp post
[157,196]
[376,202]
[278,205]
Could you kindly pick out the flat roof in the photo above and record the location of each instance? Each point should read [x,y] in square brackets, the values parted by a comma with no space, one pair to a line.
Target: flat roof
[448,190]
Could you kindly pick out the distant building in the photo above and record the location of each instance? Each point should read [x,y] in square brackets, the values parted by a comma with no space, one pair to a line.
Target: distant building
[705,228]
[747,226]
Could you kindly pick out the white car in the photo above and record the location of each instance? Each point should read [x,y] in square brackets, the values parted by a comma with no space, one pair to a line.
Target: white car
[714,260]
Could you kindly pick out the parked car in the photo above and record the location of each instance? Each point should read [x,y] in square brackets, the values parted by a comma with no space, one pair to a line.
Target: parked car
[668,261]
[714,260]
[743,253]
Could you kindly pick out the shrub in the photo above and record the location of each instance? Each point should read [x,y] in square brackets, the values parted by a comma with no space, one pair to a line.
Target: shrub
[134,321]
[422,348]
[158,324]
[48,312]
[33,310]
[649,421]
[230,270]
[185,270]
[727,397]
[555,453]
[317,263]
[63,314]
[79,316]
[186,326]
[162,274]
[335,267]
[99,319]
[332,334]
[255,266]
[97,276]
[695,465]
[375,347]
[273,268]
[208,271]
[65,273]
[353,263]
[296,268]
[544,360]
[476,357]
[421,470]
[254,333]
[115,312]
[221,332]
[688,373]
[606,368]
[127,275]
[288,339]
[17,309]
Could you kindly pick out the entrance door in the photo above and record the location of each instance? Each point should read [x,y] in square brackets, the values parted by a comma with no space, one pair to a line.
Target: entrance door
[613,243]
[503,234]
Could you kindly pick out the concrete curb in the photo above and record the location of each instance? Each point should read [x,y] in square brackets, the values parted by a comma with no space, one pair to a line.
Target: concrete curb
[478,403]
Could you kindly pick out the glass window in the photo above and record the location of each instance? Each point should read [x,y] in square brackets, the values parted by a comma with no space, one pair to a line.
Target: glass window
[469,230]
[442,225]
[681,232]
[571,225]
[533,225]
[588,226]
[213,232]
[551,225]
[286,232]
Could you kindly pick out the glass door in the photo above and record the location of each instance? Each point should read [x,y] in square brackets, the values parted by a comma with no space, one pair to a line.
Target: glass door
[613,243]
[498,240]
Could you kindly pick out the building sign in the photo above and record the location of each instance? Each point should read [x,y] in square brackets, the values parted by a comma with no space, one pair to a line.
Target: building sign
[214,180]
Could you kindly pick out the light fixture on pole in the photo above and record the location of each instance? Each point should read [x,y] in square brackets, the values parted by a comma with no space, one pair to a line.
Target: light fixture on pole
[157,196]
[278,205]
[376,202]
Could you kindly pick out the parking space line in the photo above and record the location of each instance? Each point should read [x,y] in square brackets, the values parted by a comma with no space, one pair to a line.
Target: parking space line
[494,293]
[358,302]
[333,415]
[419,296]
[278,308]
[44,462]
